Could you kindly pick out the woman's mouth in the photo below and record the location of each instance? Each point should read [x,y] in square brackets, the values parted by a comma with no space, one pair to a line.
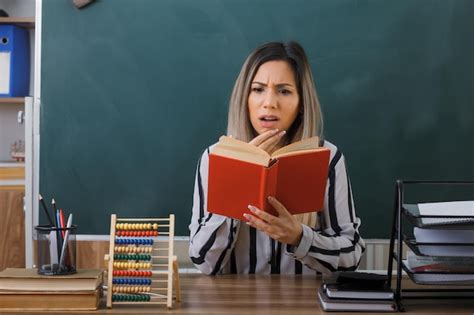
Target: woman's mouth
[268,121]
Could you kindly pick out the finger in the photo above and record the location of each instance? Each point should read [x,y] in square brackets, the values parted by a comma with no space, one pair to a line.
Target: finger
[279,207]
[256,222]
[265,216]
[262,137]
[269,144]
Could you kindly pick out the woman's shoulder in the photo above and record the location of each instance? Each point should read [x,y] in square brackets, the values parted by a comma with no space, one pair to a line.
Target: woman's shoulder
[209,149]
[204,158]
[331,146]
[334,149]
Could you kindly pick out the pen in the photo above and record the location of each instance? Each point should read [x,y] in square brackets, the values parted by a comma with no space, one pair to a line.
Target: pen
[63,250]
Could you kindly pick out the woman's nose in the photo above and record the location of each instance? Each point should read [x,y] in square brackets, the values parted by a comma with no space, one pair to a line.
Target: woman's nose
[270,100]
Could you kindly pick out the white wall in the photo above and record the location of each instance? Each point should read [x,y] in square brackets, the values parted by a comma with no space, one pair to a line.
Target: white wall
[21,8]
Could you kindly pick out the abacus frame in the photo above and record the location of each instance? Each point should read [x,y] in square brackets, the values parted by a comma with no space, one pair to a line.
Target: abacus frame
[171,267]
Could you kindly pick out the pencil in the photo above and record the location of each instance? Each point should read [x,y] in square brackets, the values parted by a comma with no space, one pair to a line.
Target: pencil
[45,209]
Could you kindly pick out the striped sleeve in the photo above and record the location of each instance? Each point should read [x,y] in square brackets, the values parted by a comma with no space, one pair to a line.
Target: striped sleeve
[335,244]
[212,236]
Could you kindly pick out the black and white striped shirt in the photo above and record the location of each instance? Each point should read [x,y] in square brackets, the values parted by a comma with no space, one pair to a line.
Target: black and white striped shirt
[220,245]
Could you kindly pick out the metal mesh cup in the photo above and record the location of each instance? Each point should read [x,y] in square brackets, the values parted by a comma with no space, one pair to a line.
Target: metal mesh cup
[56,250]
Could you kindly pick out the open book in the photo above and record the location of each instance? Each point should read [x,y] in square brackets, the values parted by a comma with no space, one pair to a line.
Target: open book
[241,174]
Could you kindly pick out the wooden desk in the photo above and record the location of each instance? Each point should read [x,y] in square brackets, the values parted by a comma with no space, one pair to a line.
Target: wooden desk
[258,294]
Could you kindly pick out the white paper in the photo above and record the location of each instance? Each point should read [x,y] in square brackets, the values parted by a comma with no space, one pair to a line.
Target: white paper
[444,236]
[5,72]
[451,208]
[447,251]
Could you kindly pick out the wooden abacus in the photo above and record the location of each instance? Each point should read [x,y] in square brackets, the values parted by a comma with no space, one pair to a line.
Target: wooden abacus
[141,266]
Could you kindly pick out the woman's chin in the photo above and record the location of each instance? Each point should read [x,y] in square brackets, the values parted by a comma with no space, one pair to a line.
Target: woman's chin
[268,125]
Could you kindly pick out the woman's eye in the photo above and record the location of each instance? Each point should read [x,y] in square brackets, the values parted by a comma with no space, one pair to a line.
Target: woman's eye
[285,91]
[257,89]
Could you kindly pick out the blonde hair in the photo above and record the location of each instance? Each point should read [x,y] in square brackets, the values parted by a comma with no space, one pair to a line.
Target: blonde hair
[309,122]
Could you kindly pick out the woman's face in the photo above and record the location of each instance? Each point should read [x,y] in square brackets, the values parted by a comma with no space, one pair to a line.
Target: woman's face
[273,99]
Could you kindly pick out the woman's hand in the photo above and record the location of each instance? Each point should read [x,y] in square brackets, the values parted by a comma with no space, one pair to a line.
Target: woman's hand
[268,140]
[284,228]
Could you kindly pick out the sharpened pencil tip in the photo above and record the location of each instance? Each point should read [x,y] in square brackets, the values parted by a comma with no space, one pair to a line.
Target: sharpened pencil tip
[53,201]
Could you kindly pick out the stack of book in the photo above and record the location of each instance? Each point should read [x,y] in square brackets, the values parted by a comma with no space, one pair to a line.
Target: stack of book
[25,289]
[356,291]
[442,243]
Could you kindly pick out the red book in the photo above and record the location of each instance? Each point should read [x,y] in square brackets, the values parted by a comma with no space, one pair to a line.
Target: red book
[241,174]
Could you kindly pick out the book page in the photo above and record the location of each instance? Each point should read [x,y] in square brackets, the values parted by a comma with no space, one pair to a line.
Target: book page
[241,145]
[446,236]
[305,144]
[239,150]
[237,154]
[30,273]
[294,153]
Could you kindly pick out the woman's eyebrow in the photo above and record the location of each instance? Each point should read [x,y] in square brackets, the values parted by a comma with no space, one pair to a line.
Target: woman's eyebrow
[278,85]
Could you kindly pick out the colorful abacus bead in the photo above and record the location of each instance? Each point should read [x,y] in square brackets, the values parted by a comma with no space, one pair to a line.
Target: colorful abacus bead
[131,298]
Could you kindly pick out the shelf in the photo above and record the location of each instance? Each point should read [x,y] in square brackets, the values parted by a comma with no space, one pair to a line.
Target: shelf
[12,173]
[433,274]
[12,100]
[412,213]
[439,278]
[28,22]
[439,250]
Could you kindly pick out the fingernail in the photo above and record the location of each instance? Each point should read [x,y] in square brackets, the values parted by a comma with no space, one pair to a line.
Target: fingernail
[275,131]
[282,133]
[269,198]
[251,208]
[247,216]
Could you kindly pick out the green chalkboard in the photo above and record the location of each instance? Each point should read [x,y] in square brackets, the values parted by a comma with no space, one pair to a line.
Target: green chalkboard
[133,91]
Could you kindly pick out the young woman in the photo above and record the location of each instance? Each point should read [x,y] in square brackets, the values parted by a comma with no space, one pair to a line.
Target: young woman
[274,103]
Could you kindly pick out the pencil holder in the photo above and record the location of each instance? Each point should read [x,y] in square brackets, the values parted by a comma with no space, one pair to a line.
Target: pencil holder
[56,250]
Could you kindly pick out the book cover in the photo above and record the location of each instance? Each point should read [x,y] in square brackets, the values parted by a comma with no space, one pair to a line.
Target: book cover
[330,304]
[241,174]
[345,292]
[357,285]
[27,300]
[21,279]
